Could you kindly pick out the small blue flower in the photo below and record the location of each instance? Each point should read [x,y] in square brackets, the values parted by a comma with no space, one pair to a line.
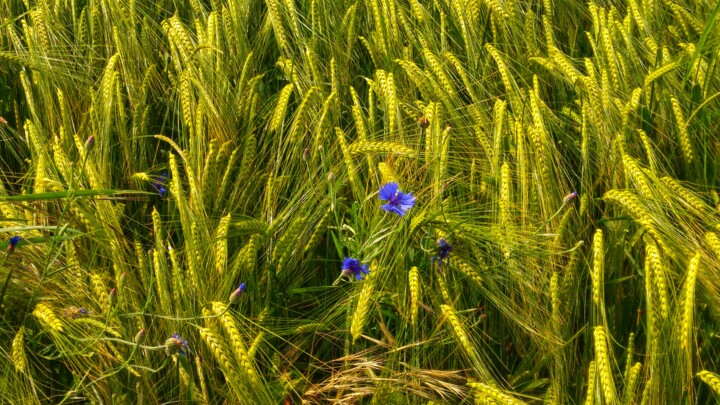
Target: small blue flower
[398,202]
[176,344]
[352,267]
[159,185]
[13,242]
[444,249]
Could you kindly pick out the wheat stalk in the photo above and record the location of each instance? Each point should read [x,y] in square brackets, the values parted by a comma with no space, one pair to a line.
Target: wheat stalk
[47,316]
[711,379]
[221,246]
[414,283]
[364,302]
[485,393]
[683,133]
[592,384]
[237,343]
[688,306]
[598,269]
[603,364]
[631,383]
[18,351]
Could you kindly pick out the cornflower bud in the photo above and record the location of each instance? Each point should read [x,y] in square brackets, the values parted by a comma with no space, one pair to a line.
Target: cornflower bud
[140,336]
[570,198]
[122,281]
[175,344]
[13,242]
[89,143]
[423,122]
[235,296]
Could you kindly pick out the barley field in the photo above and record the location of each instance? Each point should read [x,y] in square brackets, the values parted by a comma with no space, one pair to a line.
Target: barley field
[359,202]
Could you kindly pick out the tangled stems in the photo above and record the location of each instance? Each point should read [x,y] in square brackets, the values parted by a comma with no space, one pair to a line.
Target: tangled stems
[172,318]
[125,364]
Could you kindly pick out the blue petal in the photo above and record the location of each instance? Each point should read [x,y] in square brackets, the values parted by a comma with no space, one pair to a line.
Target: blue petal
[398,211]
[407,199]
[365,270]
[393,208]
[388,191]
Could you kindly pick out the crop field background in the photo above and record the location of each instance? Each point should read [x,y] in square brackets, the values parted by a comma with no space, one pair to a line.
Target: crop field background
[359,202]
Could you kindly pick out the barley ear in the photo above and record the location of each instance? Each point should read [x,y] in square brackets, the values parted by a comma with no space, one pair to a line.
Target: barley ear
[711,379]
[18,351]
[364,303]
[602,358]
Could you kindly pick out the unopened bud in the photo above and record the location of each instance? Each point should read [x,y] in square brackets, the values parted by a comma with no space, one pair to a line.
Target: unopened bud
[140,336]
[175,344]
[423,122]
[570,197]
[112,296]
[235,296]
[122,281]
[89,143]
[13,242]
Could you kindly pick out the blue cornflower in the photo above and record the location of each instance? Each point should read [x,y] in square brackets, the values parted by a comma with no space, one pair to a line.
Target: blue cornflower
[176,344]
[352,267]
[444,250]
[159,185]
[13,242]
[398,202]
[235,296]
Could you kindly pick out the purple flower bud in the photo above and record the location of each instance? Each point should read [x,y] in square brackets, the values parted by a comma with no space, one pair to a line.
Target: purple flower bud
[444,250]
[89,143]
[112,296]
[235,296]
[570,197]
[176,344]
[140,336]
[13,242]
